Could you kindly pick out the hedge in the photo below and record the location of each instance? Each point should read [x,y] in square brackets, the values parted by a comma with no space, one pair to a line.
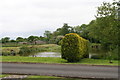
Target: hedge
[73,47]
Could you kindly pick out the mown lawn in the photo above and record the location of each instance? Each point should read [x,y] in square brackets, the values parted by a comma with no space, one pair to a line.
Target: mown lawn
[50,78]
[56,60]
[3,75]
[43,78]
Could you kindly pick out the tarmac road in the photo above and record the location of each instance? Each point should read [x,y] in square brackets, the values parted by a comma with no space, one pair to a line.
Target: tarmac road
[83,71]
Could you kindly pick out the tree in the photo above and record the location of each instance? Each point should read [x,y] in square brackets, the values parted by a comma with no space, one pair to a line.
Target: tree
[105,28]
[105,24]
[12,40]
[5,40]
[48,35]
[19,39]
[65,29]
[33,39]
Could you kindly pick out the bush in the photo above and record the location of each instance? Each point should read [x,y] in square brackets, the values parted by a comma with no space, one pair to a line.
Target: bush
[7,51]
[96,57]
[73,47]
[26,51]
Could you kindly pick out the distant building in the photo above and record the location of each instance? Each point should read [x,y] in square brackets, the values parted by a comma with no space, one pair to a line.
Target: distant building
[22,42]
[39,42]
[34,42]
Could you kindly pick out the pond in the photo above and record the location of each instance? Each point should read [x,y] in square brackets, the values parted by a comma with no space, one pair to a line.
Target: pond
[47,54]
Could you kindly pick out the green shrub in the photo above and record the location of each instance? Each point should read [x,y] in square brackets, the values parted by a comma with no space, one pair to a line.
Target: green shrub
[6,51]
[73,47]
[26,51]
[96,57]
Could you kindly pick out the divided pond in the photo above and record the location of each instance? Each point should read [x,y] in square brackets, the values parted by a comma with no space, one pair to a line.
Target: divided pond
[47,54]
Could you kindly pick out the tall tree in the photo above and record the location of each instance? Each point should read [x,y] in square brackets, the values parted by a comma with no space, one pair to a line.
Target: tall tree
[105,27]
[33,38]
[19,39]
[48,35]
[65,29]
[5,39]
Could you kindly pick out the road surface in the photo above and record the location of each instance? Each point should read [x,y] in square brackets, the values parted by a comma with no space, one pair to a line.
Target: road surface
[62,70]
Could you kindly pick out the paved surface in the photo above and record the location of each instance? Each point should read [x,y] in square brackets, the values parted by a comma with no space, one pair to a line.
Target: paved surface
[62,70]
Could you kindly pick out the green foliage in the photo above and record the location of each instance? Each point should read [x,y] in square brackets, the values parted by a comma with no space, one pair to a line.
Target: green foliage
[19,39]
[33,38]
[106,29]
[105,24]
[12,41]
[6,51]
[65,29]
[54,38]
[5,39]
[26,51]
[73,47]
[56,60]
[33,49]
[3,75]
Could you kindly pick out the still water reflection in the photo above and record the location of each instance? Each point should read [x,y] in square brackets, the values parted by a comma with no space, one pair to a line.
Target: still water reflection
[47,54]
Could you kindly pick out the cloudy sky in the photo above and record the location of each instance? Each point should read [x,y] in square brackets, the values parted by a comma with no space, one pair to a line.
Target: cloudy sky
[32,17]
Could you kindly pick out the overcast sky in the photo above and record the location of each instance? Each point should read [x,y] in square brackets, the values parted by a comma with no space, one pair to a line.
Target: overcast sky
[32,17]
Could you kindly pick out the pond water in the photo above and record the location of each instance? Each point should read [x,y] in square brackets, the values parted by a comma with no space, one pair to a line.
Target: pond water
[53,54]
[47,54]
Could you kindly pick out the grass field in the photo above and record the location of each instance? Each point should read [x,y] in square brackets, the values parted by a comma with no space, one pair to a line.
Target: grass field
[49,78]
[43,78]
[3,75]
[56,60]
[48,47]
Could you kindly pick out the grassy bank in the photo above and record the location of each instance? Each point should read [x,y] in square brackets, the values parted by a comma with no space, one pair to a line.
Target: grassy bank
[49,78]
[43,78]
[7,50]
[3,75]
[41,48]
[56,60]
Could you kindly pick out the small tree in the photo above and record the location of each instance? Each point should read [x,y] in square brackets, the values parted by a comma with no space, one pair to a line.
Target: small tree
[73,47]
[5,40]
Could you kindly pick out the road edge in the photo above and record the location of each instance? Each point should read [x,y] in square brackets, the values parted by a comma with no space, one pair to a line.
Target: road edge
[93,78]
[62,64]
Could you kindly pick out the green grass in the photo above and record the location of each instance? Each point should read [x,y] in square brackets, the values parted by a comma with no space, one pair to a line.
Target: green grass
[48,47]
[42,77]
[32,59]
[56,60]
[49,78]
[3,75]
[11,45]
